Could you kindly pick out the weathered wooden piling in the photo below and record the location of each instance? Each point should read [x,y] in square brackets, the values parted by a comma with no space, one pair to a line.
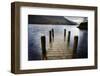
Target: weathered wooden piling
[75,46]
[64,34]
[69,37]
[50,37]
[43,46]
[52,34]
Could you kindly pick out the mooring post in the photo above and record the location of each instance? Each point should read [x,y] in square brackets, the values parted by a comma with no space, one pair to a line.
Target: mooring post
[52,34]
[69,37]
[43,46]
[64,34]
[75,46]
[50,37]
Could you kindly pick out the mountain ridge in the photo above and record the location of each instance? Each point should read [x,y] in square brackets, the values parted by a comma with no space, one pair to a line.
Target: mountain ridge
[56,20]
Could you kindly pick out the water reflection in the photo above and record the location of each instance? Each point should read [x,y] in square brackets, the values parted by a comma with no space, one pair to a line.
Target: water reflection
[82,51]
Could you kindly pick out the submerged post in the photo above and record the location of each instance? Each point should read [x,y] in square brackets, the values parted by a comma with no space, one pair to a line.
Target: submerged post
[69,37]
[43,46]
[64,34]
[75,46]
[50,37]
[52,34]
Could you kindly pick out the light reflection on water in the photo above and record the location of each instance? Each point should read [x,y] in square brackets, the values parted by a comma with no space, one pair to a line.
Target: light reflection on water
[35,31]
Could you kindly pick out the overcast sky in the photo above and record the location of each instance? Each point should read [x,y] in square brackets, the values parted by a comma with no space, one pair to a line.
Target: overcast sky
[77,19]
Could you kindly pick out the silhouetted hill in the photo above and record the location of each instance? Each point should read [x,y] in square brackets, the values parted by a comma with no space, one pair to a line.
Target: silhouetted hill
[83,26]
[57,20]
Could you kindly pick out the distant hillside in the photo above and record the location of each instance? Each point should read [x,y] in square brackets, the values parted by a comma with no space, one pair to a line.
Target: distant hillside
[83,26]
[57,20]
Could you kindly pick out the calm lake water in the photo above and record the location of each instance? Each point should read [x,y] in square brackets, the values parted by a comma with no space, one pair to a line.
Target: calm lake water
[35,31]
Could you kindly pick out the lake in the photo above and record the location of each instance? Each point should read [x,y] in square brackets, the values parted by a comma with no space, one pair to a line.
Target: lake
[35,31]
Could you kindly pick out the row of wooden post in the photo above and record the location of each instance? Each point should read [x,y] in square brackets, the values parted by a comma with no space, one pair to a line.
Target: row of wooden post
[43,46]
[69,33]
[51,35]
[51,39]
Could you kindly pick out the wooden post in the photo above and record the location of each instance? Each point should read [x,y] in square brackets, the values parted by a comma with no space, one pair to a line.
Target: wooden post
[52,34]
[43,46]
[75,46]
[64,34]
[50,37]
[69,37]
